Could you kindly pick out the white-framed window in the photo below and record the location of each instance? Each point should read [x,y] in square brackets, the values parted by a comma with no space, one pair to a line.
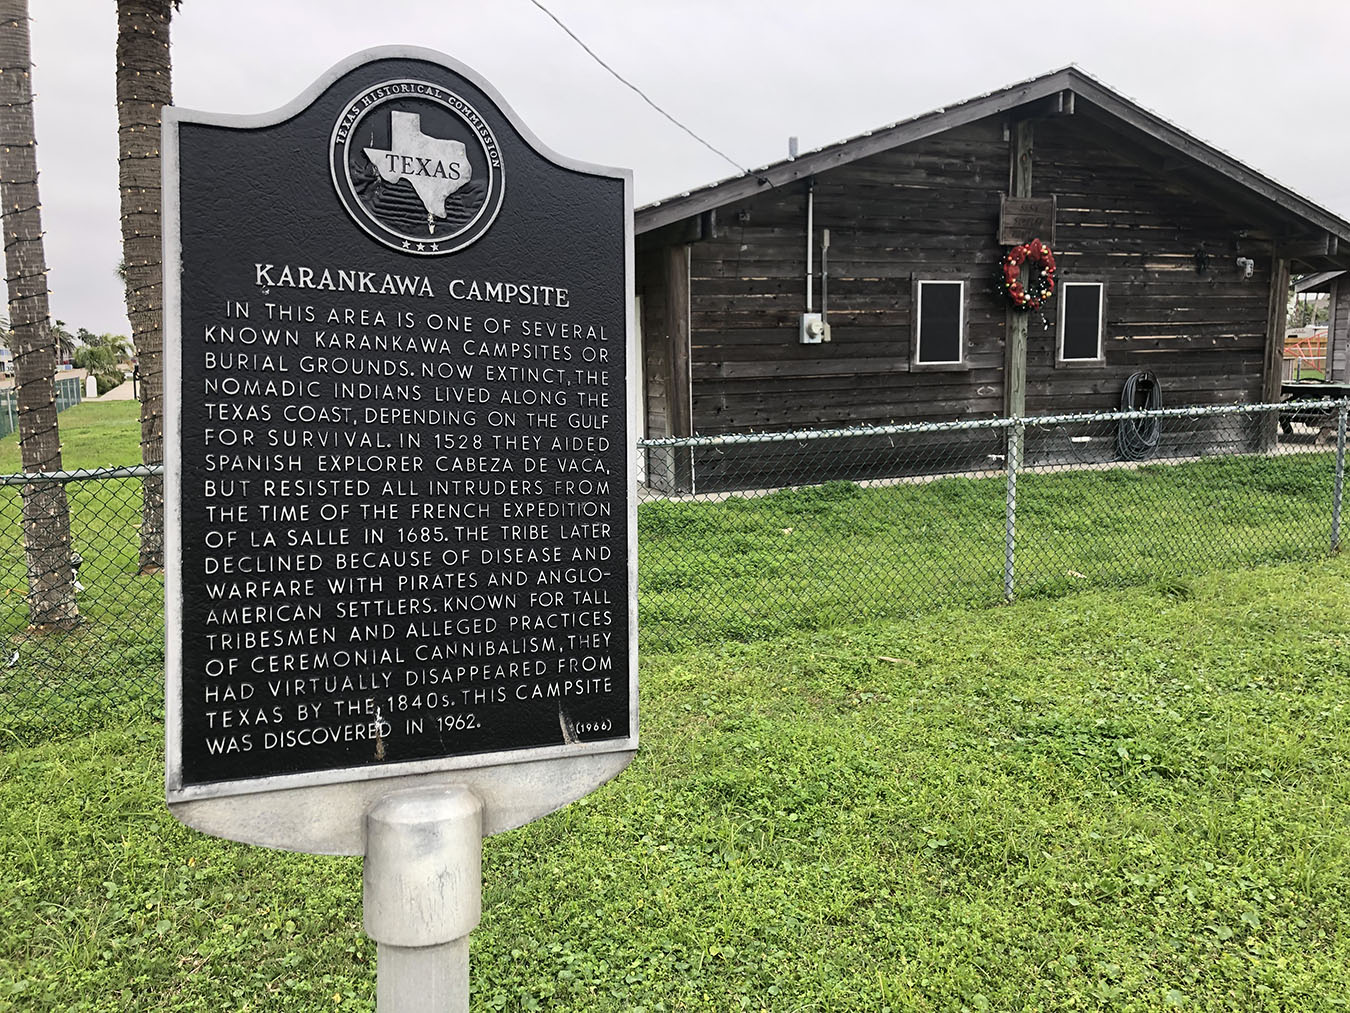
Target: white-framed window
[1082,322]
[939,322]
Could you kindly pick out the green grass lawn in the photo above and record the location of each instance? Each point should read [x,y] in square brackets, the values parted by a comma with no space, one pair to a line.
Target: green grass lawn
[750,567]
[1125,799]
[113,663]
[104,434]
[741,569]
[851,795]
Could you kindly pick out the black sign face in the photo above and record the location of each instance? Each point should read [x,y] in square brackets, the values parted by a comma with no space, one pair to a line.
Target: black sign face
[397,415]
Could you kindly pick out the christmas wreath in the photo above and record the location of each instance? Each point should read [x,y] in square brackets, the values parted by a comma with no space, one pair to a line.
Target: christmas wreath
[1040,286]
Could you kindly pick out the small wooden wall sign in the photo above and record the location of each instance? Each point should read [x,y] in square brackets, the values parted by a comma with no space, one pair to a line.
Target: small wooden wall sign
[1022,219]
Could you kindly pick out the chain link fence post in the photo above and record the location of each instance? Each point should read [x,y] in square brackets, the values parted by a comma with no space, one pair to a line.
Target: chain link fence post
[1016,437]
[1338,486]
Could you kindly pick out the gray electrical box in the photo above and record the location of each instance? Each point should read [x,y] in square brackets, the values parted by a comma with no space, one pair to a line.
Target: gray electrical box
[814,329]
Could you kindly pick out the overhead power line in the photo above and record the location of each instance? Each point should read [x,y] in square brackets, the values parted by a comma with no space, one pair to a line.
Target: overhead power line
[640,93]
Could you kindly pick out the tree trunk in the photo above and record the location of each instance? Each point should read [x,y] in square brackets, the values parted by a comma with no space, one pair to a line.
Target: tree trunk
[144,85]
[46,517]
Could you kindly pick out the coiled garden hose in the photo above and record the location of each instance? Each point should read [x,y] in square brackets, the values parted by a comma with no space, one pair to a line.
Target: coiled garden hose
[1137,439]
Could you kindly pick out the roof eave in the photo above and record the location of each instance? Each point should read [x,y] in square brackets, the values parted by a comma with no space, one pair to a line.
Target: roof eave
[1067,80]
[719,194]
[1319,282]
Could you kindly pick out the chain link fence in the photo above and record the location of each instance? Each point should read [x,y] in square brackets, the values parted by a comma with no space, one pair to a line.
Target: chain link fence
[74,673]
[747,536]
[69,392]
[751,535]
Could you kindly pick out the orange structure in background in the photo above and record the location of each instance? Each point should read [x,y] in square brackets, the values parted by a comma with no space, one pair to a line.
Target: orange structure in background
[1305,353]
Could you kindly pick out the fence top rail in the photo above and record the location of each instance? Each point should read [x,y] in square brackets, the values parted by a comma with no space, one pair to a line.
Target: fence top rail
[83,474]
[796,435]
[900,428]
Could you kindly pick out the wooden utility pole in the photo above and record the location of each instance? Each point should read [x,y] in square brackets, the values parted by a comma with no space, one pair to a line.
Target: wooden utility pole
[678,382]
[1273,368]
[1015,366]
[1015,349]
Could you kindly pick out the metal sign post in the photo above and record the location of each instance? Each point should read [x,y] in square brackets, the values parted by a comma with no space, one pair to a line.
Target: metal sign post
[400,512]
[422,897]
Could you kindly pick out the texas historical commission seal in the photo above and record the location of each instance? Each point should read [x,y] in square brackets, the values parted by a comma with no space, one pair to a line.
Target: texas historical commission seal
[417,167]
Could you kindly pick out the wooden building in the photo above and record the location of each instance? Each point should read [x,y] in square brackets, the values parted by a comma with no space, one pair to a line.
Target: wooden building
[1172,258]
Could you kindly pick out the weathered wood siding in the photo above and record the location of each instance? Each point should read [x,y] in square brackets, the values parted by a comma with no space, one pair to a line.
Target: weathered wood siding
[662,278]
[930,210]
[1203,333]
[1338,330]
[650,275]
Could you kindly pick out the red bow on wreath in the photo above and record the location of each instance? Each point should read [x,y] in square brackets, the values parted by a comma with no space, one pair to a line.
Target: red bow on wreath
[1040,286]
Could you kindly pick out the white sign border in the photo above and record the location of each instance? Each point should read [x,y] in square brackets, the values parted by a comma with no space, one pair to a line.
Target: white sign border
[323,811]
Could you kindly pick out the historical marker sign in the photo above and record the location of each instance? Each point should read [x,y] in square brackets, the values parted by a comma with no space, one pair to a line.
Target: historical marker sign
[401,527]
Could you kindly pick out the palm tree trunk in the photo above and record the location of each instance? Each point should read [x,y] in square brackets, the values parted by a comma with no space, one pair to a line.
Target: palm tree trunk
[144,85]
[46,517]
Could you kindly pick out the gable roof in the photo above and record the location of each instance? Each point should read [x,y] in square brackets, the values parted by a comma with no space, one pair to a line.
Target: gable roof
[1068,90]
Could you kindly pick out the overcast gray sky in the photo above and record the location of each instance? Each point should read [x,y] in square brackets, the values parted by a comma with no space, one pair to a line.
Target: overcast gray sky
[1265,82]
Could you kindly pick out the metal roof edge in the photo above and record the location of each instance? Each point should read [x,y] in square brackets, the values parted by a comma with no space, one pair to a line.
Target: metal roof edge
[1072,78]
[1315,282]
[775,174]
